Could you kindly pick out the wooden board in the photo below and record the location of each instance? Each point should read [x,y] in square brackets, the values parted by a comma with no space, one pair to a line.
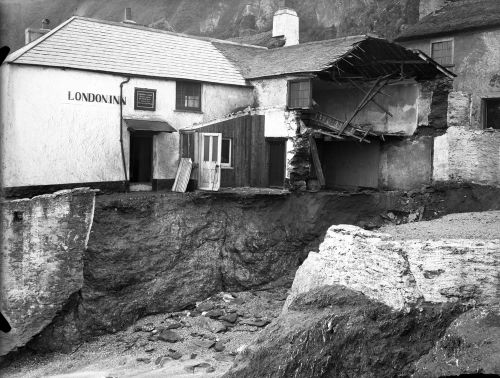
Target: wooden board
[183,174]
[316,161]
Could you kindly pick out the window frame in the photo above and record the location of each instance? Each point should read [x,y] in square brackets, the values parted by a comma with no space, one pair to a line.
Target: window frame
[289,92]
[484,111]
[438,40]
[178,96]
[227,165]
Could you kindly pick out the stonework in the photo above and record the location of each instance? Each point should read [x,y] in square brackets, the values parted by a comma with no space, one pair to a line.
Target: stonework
[466,155]
[400,273]
[459,109]
[43,241]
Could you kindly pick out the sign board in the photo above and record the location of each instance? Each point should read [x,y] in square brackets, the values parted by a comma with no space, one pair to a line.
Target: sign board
[145,99]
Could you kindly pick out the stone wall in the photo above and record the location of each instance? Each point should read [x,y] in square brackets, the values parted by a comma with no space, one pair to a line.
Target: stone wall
[400,273]
[43,241]
[467,155]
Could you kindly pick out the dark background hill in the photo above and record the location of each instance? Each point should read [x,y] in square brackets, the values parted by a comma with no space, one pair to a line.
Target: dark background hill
[319,19]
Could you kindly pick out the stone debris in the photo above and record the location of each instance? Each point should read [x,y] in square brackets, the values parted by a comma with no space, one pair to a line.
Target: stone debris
[146,360]
[230,318]
[169,336]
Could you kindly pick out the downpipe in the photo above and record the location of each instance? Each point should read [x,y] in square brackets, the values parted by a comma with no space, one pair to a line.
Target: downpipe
[121,129]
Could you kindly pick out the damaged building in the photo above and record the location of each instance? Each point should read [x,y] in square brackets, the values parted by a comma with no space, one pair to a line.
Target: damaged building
[118,106]
[464,36]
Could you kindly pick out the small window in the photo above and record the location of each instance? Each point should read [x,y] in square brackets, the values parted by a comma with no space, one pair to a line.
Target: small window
[442,52]
[226,151]
[299,94]
[491,113]
[188,95]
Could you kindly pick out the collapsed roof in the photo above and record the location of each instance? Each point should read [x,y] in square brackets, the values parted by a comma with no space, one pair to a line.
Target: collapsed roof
[104,46]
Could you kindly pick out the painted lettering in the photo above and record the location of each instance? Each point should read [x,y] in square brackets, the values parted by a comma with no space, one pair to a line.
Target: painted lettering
[96,97]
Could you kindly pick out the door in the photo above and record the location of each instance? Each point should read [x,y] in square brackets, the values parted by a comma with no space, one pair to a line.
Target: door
[277,162]
[141,157]
[210,156]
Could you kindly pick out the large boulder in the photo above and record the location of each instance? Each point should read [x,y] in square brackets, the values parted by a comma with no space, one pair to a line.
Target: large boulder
[403,273]
[332,331]
[43,242]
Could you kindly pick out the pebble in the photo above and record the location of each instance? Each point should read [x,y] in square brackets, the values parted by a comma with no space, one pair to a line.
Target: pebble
[219,347]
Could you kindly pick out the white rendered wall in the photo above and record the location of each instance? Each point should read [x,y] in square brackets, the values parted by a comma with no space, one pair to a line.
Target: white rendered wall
[48,139]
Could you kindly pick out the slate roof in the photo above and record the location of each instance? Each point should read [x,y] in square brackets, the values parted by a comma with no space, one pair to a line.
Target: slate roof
[104,46]
[301,58]
[462,15]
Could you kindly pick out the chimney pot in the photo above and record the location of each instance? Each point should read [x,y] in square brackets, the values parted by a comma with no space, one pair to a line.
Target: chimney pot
[127,18]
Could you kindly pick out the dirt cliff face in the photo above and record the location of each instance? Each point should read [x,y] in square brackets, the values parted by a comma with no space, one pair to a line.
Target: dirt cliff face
[153,253]
[319,19]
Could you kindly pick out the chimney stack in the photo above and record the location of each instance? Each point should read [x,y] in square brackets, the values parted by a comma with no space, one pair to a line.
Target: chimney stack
[427,7]
[32,34]
[286,24]
[127,18]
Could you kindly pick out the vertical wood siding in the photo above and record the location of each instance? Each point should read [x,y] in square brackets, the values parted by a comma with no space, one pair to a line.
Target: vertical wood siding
[248,165]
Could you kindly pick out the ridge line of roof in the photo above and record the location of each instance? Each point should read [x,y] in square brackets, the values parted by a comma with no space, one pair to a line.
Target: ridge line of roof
[154,30]
[23,50]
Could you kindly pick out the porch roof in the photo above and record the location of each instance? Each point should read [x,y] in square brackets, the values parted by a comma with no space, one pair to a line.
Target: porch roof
[156,126]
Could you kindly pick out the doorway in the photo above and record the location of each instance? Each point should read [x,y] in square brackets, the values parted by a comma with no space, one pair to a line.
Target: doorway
[210,162]
[277,162]
[141,158]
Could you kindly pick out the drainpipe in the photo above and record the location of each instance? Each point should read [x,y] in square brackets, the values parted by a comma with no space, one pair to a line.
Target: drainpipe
[121,129]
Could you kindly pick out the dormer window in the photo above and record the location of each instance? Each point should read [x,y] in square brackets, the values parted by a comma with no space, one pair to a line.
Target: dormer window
[442,52]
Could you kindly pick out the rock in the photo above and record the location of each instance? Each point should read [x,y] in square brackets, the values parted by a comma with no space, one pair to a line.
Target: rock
[205,306]
[206,344]
[149,350]
[226,297]
[173,325]
[255,322]
[192,368]
[146,360]
[230,318]
[471,342]
[43,245]
[245,328]
[148,327]
[158,360]
[174,354]
[214,313]
[347,335]
[402,273]
[210,369]
[193,356]
[169,336]
[219,347]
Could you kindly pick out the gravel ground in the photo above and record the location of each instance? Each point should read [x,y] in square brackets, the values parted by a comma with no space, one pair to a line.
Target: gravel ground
[139,351]
[480,225]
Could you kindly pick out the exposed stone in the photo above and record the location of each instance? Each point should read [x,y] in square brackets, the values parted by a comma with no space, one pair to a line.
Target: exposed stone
[41,264]
[255,322]
[208,324]
[332,331]
[219,347]
[169,336]
[402,273]
[230,318]
[205,344]
[214,313]
[459,108]
[173,325]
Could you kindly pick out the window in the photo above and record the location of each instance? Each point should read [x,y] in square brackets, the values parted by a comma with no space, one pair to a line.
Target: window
[442,52]
[299,94]
[491,113]
[188,95]
[226,151]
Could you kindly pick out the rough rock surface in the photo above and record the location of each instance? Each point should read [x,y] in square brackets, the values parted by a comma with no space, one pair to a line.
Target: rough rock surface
[332,331]
[157,252]
[459,109]
[402,273]
[471,345]
[43,242]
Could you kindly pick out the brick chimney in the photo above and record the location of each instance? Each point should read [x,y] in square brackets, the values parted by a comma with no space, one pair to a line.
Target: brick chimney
[427,7]
[32,34]
[286,24]
[127,18]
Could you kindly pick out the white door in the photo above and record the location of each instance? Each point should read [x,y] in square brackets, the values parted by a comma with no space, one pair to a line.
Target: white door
[210,161]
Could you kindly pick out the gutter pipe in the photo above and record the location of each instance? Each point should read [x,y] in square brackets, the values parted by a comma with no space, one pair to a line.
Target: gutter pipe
[121,128]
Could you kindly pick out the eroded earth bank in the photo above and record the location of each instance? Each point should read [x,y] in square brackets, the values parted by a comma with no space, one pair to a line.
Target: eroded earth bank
[182,284]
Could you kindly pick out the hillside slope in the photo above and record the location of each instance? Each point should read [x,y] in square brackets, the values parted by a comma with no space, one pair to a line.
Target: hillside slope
[218,18]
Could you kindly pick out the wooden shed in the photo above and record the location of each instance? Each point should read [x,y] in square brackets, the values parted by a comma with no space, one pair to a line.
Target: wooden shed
[234,153]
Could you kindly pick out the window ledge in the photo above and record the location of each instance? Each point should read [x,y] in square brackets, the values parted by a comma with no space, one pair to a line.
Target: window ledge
[226,167]
[188,111]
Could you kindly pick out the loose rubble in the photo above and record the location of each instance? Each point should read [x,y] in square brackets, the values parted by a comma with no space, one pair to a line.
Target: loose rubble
[201,341]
